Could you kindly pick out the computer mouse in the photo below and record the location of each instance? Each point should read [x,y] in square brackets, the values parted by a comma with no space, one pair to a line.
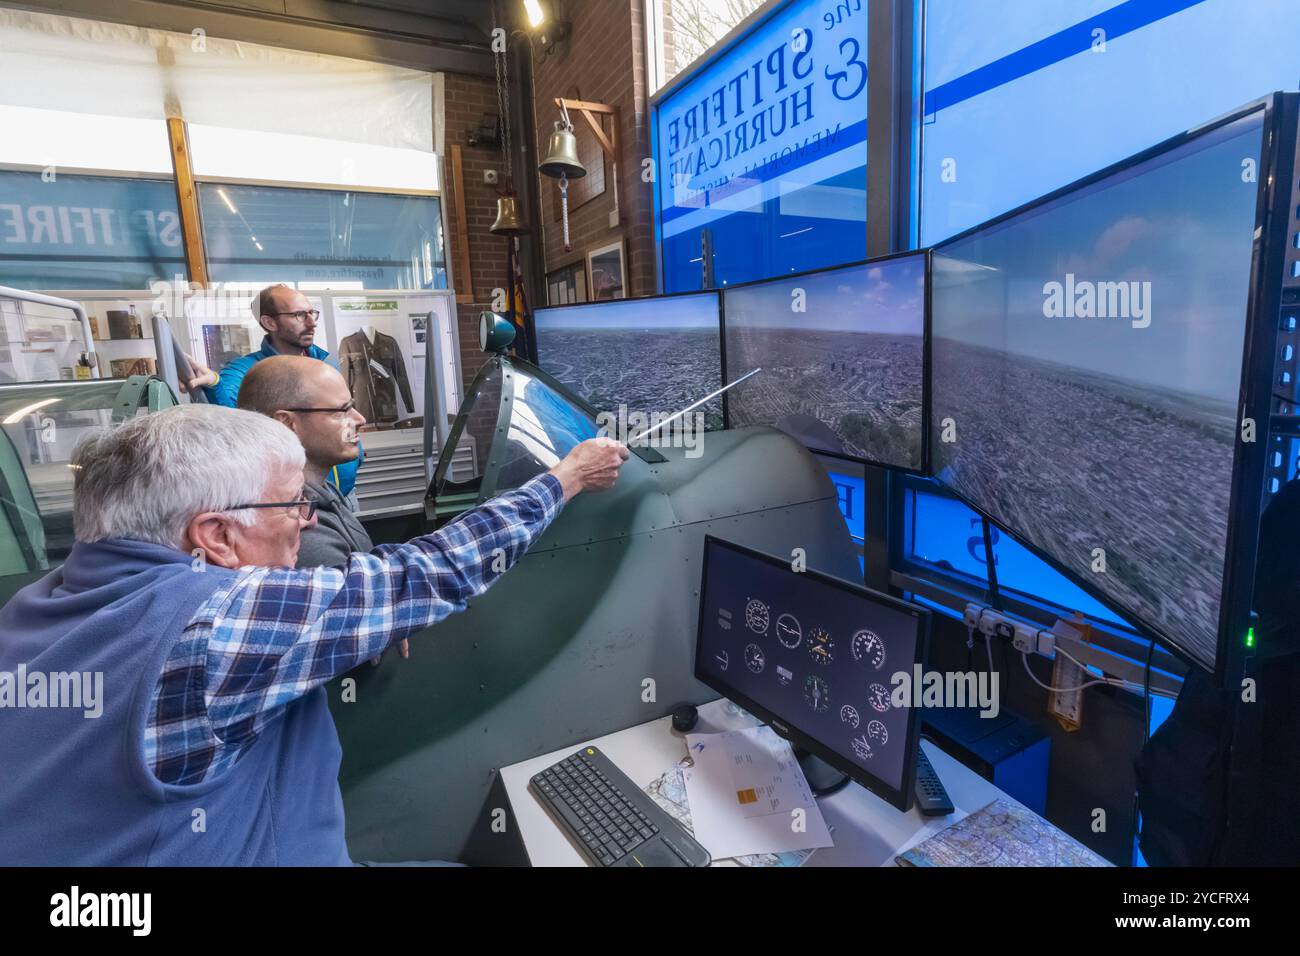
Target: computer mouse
[685,717]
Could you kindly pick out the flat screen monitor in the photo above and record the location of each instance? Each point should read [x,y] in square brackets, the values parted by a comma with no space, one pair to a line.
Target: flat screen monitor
[813,656]
[653,355]
[842,354]
[1087,369]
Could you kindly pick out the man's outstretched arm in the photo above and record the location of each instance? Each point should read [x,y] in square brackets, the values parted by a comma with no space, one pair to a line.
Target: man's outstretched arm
[276,634]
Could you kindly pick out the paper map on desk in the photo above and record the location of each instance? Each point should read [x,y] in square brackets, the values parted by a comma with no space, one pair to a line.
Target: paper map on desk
[669,791]
[1001,834]
[748,795]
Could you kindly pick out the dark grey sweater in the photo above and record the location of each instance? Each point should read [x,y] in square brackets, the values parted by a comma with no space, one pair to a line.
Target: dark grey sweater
[337,532]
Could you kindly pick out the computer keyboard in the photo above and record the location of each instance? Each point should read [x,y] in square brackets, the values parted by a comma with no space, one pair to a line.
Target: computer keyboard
[609,817]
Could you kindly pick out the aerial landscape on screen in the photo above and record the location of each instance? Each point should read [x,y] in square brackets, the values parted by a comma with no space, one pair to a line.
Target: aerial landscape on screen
[842,357]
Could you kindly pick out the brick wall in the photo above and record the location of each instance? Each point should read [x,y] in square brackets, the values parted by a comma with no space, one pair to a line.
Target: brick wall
[603,60]
[465,100]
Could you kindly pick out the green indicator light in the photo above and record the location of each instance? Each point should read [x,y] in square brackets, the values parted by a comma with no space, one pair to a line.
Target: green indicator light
[1250,637]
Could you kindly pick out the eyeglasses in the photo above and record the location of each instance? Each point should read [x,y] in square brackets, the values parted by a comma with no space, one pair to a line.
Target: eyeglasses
[341,410]
[306,506]
[302,316]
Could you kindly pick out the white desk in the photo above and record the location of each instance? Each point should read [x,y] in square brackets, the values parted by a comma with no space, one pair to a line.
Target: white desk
[867,830]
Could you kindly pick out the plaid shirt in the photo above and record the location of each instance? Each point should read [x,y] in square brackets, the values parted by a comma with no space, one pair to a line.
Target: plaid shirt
[275,634]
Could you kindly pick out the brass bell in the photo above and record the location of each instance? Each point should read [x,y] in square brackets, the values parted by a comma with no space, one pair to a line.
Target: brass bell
[509,222]
[562,154]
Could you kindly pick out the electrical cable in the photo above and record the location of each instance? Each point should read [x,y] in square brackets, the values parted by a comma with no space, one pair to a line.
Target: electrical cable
[1024,656]
[1113,681]
[988,646]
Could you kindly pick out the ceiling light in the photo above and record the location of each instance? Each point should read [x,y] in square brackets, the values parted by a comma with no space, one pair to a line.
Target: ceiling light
[15,417]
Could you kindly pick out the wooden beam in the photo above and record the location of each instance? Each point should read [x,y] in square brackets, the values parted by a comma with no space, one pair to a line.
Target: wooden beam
[583,105]
[464,278]
[187,201]
[601,138]
[607,143]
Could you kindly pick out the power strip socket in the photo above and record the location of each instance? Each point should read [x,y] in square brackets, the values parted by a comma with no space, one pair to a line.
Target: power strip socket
[1026,639]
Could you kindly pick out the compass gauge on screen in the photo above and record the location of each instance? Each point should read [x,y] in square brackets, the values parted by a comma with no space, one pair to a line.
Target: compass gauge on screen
[816,693]
[754,658]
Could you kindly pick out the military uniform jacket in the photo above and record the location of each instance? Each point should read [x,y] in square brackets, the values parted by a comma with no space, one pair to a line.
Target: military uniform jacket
[375,392]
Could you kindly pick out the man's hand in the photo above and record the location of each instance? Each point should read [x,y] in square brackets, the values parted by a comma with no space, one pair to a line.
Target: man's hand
[202,375]
[404,648]
[592,466]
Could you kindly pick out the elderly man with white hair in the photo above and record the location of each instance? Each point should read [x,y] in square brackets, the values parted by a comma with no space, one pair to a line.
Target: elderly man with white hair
[215,744]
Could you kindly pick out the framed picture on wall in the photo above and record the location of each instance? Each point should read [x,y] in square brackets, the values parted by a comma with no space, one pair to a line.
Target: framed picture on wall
[606,269]
[567,285]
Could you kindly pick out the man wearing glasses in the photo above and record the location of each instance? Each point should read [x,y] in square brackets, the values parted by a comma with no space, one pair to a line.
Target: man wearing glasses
[289,320]
[214,744]
[311,399]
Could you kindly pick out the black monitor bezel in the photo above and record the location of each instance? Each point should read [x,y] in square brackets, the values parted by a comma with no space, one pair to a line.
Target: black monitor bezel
[1272,214]
[924,256]
[900,798]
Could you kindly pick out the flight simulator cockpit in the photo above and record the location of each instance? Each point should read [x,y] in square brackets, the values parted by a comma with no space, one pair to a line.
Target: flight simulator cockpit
[604,601]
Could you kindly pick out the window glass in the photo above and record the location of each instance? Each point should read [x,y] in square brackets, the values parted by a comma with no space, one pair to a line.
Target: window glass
[761,156]
[850,495]
[40,425]
[221,153]
[1021,97]
[332,237]
[684,30]
[943,532]
[54,141]
[40,343]
[62,231]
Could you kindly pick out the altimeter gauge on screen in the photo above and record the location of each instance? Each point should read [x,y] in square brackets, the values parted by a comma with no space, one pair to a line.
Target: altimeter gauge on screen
[820,646]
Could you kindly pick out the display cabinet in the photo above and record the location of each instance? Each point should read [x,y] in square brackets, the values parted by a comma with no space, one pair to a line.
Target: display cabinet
[40,426]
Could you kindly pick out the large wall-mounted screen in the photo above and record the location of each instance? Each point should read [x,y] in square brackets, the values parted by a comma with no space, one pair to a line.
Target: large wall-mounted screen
[842,354]
[650,356]
[1087,372]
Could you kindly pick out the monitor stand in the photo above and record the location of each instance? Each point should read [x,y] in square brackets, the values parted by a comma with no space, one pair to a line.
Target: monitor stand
[823,779]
